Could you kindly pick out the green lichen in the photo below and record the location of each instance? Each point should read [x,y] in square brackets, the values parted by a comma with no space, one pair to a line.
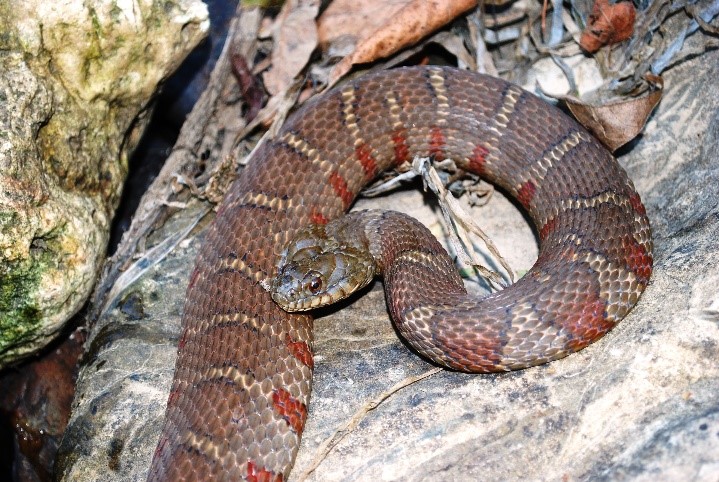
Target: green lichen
[7,40]
[20,317]
[7,220]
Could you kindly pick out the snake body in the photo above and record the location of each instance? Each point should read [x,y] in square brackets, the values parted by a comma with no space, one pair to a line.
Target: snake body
[243,375]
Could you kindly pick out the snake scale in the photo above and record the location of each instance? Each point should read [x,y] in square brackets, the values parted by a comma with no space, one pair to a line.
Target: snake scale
[243,375]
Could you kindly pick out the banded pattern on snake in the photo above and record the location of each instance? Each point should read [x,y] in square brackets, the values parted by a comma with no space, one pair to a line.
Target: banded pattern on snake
[243,375]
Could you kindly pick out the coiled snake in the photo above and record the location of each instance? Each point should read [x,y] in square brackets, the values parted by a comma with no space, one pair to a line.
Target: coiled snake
[242,381]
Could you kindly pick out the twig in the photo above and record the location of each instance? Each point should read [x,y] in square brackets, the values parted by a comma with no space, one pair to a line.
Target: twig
[389,185]
[457,221]
[346,428]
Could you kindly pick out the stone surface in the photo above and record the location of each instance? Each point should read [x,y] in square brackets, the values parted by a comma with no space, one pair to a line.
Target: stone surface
[76,78]
[640,404]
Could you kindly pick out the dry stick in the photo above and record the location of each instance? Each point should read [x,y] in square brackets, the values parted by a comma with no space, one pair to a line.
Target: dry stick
[457,220]
[345,429]
[389,185]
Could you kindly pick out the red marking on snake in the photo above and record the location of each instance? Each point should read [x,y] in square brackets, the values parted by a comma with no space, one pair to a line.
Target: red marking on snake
[490,352]
[586,318]
[589,323]
[636,203]
[369,165]
[292,410]
[478,160]
[257,474]
[300,350]
[548,227]
[637,259]
[437,142]
[317,217]
[340,186]
[401,151]
[526,192]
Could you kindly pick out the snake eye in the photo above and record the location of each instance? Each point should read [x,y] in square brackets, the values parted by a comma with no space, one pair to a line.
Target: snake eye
[314,283]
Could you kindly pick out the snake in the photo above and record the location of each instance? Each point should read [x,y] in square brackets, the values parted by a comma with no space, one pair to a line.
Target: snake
[242,381]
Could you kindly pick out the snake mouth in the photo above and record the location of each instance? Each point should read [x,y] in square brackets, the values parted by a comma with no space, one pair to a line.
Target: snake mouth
[290,304]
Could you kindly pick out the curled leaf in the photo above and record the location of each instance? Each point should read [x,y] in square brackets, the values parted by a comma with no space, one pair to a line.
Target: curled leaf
[249,86]
[616,123]
[413,22]
[350,20]
[609,23]
[295,38]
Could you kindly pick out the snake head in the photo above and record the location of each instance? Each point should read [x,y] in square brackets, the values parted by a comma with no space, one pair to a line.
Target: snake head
[316,269]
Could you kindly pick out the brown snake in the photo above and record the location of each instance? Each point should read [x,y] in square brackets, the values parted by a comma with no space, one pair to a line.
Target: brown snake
[243,375]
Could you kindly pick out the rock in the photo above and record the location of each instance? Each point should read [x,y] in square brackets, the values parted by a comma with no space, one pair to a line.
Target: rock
[640,404]
[76,79]
[35,405]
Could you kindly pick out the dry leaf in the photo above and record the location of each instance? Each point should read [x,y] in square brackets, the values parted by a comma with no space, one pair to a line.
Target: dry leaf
[295,38]
[413,22]
[351,19]
[608,24]
[249,86]
[617,123]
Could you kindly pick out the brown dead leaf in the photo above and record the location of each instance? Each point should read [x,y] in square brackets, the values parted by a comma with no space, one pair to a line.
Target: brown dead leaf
[295,35]
[414,21]
[608,24]
[616,123]
[350,20]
